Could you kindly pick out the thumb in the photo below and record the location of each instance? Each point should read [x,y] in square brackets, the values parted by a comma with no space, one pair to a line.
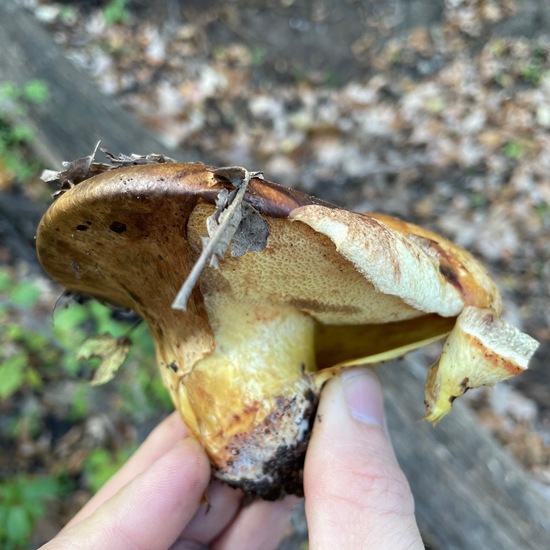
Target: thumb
[356,494]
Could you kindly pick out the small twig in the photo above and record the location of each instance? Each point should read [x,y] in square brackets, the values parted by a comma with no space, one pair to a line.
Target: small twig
[222,226]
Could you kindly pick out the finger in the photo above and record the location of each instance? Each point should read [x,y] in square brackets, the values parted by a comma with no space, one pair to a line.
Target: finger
[212,517]
[261,525]
[356,494]
[159,441]
[151,511]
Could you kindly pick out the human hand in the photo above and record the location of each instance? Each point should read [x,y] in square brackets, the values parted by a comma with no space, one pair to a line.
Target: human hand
[156,501]
[357,497]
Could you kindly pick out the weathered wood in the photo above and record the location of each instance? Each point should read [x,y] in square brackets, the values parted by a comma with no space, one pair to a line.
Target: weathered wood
[469,492]
[77,115]
[19,218]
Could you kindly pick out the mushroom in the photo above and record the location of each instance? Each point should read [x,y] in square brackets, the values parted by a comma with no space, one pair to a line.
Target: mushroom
[324,289]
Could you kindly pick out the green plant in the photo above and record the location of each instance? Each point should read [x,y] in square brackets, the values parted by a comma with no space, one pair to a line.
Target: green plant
[23,500]
[143,392]
[102,464]
[116,11]
[478,199]
[514,149]
[258,55]
[33,91]
[12,374]
[14,134]
[80,402]
[28,357]
[18,346]
[25,294]
[37,358]
[536,68]
[68,15]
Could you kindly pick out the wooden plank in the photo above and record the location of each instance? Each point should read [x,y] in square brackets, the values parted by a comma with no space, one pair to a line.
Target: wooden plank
[469,492]
[77,115]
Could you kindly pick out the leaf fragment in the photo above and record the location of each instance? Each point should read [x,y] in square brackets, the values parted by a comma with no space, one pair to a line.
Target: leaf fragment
[74,172]
[136,160]
[251,234]
[112,353]
[78,170]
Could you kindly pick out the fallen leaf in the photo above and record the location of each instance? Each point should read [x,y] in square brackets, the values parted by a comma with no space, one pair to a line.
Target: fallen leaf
[110,350]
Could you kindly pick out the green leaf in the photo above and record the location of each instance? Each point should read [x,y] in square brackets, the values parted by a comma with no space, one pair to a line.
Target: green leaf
[14,333]
[12,373]
[40,488]
[101,465]
[9,91]
[3,515]
[6,280]
[35,509]
[18,524]
[116,11]
[35,341]
[25,295]
[33,380]
[80,403]
[67,321]
[37,91]
[112,352]
[21,133]
[103,317]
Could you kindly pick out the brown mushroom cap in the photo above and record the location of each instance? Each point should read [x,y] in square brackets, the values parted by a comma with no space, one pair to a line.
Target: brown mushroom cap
[331,288]
[131,235]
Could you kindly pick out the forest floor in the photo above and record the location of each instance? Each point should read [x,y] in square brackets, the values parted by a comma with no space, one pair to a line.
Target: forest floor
[447,126]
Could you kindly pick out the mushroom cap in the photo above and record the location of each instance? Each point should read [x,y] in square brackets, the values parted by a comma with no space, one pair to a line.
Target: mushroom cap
[130,236]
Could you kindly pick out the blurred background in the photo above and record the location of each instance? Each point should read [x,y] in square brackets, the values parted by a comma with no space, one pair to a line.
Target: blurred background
[434,111]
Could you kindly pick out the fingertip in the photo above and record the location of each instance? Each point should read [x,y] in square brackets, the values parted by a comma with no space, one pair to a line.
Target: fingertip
[363,396]
[156,505]
[351,411]
[219,507]
[352,481]
[349,428]
[187,457]
[262,524]
[172,428]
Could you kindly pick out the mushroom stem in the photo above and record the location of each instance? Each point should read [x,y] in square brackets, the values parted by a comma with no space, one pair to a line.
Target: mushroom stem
[251,402]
